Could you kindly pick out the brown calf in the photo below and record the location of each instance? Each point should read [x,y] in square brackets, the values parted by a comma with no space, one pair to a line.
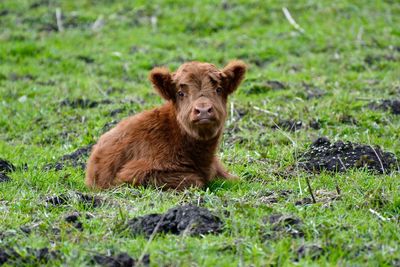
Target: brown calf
[172,146]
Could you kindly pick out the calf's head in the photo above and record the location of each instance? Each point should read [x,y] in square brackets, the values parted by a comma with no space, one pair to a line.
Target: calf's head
[199,93]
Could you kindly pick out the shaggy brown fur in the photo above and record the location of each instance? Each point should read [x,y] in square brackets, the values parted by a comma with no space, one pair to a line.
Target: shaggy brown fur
[172,146]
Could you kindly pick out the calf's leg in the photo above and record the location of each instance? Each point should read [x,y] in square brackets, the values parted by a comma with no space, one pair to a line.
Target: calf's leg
[141,172]
[219,171]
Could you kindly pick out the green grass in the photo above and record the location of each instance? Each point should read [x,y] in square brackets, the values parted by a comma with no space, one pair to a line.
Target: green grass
[350,49]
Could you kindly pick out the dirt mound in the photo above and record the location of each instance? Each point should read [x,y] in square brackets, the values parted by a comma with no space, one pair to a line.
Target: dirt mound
[272,197]
[266,86]
[33,257]
[312,91]
[83,103]
[288,125]
[64,199]
[392,105]
[4,178]
[315,124]
[5,167]
[76,159]
[120,260]
[73,219]
[313,251]
[186,219]
[321,196]
[341,156]
[284,225]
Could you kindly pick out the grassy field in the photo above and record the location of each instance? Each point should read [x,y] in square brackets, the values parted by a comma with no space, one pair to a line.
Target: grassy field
[324,77]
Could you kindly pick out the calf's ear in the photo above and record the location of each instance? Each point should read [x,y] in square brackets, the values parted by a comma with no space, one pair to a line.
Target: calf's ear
[162,82]
[233,74]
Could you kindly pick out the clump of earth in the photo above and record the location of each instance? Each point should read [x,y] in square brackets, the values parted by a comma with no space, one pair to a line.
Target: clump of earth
[288,125]
[387,104]
[120,260]
[75,159]
[65,199]
[266,86]
[188,219]
[341,156]
[5,167]
[311,91]
[74,219]
[283,224]
[32,257]
[314,251]
[83,103]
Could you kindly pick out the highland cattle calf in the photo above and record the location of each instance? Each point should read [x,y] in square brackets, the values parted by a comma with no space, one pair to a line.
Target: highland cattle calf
[172,146]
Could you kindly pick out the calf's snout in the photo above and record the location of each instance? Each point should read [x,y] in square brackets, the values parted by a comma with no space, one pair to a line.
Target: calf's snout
[203,111]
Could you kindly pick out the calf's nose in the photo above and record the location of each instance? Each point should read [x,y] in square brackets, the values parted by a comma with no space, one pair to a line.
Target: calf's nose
[204,111]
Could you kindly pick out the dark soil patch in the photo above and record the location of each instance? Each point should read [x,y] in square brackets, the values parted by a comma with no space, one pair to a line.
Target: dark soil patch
[311,91]
[347,119]
[18,77]
[4,12]
[116,111]
[238,113]
[285,173]
[6,166]
[264,87]
[113,90]
[73,219]
[4,178]
[284,225]
[315,124]
[33,257]
[275,85]
[109,125]
[86,59]
[26,229]
[58,200]
[65,199]
[90,200]
[76,159]
[186,219]
[271,197]
[120,260]
[392,105]
[313,251]
[373,59]
[83,103]
[321,196]
[304,201]
[341,156]
[288,125]
[39,3]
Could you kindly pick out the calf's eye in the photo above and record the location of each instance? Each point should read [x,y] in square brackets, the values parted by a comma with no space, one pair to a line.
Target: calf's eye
[218,90]
[181,94]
